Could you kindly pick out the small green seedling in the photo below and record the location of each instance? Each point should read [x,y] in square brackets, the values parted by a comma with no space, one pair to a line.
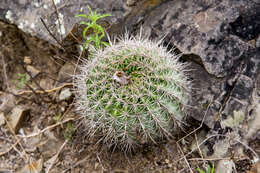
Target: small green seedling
[58,117]
[209,170]
[23,79]
[98,30]
[69,131]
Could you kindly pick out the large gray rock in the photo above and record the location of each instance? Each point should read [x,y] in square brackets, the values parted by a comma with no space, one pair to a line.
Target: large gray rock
[217,37]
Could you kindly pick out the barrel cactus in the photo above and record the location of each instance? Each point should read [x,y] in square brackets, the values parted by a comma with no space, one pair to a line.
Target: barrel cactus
[132,92]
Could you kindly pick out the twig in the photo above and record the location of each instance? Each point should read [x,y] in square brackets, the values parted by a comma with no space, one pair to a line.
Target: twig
[185,158]
[51,33]
[36,83]
[56,156]
[201,155]
[199,145]
[249,148]
[47,128]
[4,69]
[57,14]
[45,91]
[9,149]
[76,164]
[199,126]
[17,141]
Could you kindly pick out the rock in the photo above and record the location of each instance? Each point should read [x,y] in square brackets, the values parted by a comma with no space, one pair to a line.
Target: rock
[220,149]
[224,166]
[65,94]
[7,102]
[50,146]
[17,117]
[2,119]
[235,120]
[32,70]
[211,30]
[66,72]
[27,60]
[211,34]
[254,123]
[27,15]
[47,83]
[201,136]
[131,2]
[34,167]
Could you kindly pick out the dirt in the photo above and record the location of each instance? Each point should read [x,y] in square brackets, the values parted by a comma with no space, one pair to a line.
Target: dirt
[57,141]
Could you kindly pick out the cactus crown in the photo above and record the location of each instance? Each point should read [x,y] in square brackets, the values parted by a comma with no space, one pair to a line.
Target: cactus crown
[132,92]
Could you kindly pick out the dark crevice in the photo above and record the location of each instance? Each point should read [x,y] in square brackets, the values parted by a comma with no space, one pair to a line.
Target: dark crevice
[247,26]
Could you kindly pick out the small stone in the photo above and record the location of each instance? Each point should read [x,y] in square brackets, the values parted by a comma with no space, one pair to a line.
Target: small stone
[27,60]
[7,102]
[17,116]
[46,83]
[32,70]
[66,72]
[65,94]
[2,119]
[225,166]
[130,3]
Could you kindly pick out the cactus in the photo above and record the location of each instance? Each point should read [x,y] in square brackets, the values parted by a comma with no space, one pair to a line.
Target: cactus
[132,92]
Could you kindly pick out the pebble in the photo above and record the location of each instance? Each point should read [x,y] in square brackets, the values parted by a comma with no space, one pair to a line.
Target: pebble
[27,60]
[32,70]
[17,116]
[225,166]
[65,94]
[130,3]
[66,72]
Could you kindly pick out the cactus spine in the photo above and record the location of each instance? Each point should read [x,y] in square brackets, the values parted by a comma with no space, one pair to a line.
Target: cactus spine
[132,92]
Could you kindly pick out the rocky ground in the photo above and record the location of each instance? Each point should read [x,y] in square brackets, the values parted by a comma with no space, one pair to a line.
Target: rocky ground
[221,41]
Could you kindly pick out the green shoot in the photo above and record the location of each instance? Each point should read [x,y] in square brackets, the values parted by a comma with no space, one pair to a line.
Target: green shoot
[69,131]
[209,170]
[22,80]
[98,31]
[58,117]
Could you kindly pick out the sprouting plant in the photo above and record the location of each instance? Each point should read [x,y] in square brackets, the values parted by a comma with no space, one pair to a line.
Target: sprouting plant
[209,170]
[97,30]
[69,131]
[57,117]
[22,80]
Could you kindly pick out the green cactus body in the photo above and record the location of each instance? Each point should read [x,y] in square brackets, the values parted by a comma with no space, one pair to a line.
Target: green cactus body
[132,92]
